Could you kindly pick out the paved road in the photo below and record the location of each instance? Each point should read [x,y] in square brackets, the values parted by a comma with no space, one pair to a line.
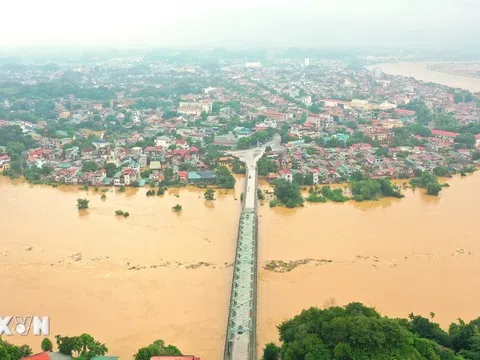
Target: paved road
[251,156]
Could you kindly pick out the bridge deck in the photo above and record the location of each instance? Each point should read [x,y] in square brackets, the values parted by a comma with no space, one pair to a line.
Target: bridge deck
[241,329]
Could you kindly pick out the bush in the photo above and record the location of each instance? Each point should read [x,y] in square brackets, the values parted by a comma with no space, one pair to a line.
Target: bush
[46,345]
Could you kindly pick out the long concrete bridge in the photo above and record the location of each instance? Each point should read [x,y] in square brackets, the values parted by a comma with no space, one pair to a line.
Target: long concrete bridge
[240,343]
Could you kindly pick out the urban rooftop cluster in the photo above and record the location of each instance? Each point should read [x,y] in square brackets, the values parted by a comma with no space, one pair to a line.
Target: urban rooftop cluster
[137,121]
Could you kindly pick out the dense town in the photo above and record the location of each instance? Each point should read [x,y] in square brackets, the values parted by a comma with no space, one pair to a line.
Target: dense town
[132,122]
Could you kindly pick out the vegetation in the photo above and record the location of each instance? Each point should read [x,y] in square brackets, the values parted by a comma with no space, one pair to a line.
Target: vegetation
[209,194]
[122,213]
[151,192]
[265,166]
[103,197]
[89,166]
[238,167]
[81,347]
[82,204]
[441,171]
[373,189]
[13,352]
[359,332]
[177,208]
[427,181]
[335,195]
[316,197]
[46,345]
[122,189]
[260,194]
[161,190]
[288,193]
[257,137]
[157,348]
[224,179]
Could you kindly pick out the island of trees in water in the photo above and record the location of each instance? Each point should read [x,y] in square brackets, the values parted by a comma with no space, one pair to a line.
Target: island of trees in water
[357,332]
[361,188]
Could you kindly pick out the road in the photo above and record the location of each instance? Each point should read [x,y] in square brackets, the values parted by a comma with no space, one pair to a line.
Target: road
[251,156]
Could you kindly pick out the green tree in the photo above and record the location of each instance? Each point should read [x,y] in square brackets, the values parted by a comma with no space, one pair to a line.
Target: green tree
[271,352]
[177,208]
[358,332]
[46,345]
[441,171]
[265,166]
[238,167]
[89,166]
[111,169]
[467,139]
[224,178]
[288,193]
[157,348]
[299,179]
[209,194]
[82,204]
[83,346]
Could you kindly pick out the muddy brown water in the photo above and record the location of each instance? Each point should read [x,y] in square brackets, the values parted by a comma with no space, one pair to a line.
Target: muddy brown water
[420,71]
[158,274]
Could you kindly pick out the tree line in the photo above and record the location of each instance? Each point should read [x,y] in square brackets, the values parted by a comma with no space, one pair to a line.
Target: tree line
[83,347]
[357,332]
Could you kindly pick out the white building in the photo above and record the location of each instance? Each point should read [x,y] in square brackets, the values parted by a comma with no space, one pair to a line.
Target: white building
[307,62]
[256,64]
[307,100]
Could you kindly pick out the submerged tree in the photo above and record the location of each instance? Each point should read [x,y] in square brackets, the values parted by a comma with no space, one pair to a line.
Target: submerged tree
[82,204]
[209,194]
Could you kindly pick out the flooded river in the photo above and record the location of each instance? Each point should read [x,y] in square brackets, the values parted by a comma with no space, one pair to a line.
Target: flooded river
[420,71]
[154,275]
[418,254]
[158,274]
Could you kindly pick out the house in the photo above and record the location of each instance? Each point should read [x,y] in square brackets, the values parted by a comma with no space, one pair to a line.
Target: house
[175,357]
[48,356]
[183,176]
[201,176]
[444,135]
[286,174]
[477,140]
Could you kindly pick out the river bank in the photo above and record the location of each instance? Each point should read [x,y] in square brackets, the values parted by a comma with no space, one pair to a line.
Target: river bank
[420,71]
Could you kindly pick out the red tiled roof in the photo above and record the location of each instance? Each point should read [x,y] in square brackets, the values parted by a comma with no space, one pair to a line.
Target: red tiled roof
[183,357]
[41,356]
[444,133]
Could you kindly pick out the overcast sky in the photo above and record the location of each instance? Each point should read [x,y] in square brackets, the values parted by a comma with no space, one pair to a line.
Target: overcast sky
[228,23]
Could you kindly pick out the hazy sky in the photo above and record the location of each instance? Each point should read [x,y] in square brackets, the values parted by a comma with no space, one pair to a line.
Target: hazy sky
[234,22]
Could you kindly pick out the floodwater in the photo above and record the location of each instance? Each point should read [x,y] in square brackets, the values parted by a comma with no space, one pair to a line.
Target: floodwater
[154,275]
[420,71]
[159,274]
[418,254]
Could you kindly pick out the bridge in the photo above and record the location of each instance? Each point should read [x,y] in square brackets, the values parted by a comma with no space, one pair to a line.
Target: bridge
[240,341]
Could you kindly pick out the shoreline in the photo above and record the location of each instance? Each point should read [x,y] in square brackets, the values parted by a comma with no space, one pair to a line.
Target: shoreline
[264,185]
[420,71]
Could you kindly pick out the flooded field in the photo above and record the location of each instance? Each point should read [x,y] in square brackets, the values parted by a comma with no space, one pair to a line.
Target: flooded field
[418,254]
[159,274]
[156,274]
